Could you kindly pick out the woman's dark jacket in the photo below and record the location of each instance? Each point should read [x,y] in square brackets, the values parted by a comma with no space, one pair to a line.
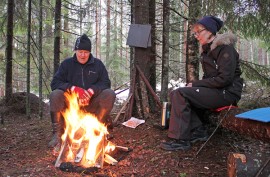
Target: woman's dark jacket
[92,74]
[220,64]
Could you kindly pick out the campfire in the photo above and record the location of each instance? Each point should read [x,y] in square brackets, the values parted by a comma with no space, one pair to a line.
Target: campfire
[84,140]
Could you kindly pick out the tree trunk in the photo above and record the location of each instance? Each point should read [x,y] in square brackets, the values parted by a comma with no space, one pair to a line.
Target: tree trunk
[192,49]
[176,41]
[260,56]
[252,128]
[108,31]
[66,28]
[28,59]
[81,17]
[121,33]
[268,58]
[40,70]
[165,51]
[152,64]
[131,61]
[114,55]
[57,34]
[48,31]
[251,59]
[141,55]
[9,50]
[98,36]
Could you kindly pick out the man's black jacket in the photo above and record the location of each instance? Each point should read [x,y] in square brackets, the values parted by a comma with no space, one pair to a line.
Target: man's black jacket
[92,74]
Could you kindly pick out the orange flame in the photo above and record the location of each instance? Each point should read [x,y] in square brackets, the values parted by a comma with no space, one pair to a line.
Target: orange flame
[85,134]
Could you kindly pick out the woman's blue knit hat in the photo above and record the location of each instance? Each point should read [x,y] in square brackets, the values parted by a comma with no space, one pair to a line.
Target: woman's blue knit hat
[211,23]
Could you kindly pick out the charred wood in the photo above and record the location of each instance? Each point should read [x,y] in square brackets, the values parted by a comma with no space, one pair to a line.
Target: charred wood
[70,167]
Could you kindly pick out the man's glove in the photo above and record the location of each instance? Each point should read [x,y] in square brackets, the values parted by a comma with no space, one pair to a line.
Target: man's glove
[83,95]
[91,92]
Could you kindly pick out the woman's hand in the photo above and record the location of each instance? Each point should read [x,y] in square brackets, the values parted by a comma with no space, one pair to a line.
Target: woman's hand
[189,85]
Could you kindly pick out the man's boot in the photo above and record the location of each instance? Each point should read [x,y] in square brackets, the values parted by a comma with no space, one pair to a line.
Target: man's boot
[199,134]
[107,120]
[57,127]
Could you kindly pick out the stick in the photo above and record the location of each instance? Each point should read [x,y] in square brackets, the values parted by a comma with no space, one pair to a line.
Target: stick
[213,131]
[149,87]
[130,107]
[138,104]
[63,145]
[121,86]
[144,100]
[124,106]
[122,91]
[122,148]
[261,169]
[131,91]
[126,149]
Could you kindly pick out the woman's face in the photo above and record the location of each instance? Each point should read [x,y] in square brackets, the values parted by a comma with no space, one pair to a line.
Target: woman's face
[202,34]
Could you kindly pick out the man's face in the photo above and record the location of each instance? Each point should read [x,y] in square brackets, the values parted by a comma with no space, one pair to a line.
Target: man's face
[82,56]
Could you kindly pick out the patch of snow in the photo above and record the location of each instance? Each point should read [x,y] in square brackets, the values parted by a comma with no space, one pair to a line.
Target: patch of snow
[174,84]
[121,97]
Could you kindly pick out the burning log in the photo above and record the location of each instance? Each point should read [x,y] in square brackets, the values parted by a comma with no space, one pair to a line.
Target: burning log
[84,145]
[255,129]
[79,155]
[63,146]
[110,160]
[83,141]
[122,148]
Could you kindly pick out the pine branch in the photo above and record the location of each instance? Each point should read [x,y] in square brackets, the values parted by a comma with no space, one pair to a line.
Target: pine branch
[256,72]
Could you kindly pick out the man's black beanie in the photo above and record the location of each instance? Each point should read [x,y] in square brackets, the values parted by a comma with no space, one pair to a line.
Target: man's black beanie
[211,23]
[83,43]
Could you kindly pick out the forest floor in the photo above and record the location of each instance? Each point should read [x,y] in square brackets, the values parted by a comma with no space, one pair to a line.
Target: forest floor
[24,151]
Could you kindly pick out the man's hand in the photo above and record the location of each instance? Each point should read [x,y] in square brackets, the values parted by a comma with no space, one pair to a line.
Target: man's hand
[83,95]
